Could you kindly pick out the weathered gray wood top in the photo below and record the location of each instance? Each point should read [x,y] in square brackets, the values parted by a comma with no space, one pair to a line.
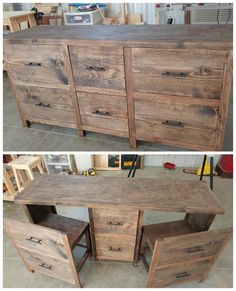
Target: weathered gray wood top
[139,193]
[215,35]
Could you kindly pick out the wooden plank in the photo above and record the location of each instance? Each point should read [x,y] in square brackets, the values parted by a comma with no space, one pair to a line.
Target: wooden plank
[213,36]
[103,111]
[102,67]
[130,96]
[144,193]
[138,236]
[225,95]
[66,54]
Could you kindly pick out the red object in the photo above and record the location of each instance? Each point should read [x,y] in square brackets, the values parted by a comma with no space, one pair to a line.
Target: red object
[169,166]
[224,167]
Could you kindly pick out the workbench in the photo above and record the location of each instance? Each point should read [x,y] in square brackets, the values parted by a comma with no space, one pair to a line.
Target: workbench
[168,84]
[116,206]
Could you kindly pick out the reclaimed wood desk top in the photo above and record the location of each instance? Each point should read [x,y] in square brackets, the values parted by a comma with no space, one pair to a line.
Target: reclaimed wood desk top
[105,192]
[181,36]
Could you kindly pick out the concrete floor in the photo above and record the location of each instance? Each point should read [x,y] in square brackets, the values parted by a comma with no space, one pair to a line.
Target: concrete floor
[41,137]
[114,274]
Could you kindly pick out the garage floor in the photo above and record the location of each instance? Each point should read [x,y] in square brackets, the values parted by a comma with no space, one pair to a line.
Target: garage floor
[112,274]
[53,138]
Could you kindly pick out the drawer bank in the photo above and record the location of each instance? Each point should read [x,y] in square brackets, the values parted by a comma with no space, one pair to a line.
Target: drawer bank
[168,84]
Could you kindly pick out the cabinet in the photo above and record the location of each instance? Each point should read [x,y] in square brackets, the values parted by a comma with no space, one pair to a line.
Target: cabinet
[164,84]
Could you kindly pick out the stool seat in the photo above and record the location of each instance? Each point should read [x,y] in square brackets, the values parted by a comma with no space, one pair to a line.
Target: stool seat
[74,228]
[160,231]
[24,161]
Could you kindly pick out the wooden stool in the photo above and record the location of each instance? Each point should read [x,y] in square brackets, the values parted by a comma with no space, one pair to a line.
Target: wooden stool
[179,253]
[48,246]
[26,164]
[11,189]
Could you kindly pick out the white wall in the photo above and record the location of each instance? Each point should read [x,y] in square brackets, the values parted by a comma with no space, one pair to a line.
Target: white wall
[179,160]
[83,162]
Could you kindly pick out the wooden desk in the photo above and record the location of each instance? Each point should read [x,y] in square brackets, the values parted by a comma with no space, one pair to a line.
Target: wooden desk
[116,206]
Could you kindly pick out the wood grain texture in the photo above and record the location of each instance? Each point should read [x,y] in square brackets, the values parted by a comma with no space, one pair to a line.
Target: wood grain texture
[100,67]
[130,96]
[103,111]
[40,63]
[141,194]
[179,255]
[71,80]
[213,36]
[225,94]
[115,247]
[167,73]
[115,220]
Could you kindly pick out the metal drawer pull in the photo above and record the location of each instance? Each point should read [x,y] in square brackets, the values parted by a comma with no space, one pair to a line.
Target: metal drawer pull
[182,275]
[195,249]
[96,68]
[45,266]
[173,74]
[35,240]
[172,123]
[43,105]
[114,223]
[114,249]
[33,64]
[97,112]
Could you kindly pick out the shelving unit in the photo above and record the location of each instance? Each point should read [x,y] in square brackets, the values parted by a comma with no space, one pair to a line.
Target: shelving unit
[57,164]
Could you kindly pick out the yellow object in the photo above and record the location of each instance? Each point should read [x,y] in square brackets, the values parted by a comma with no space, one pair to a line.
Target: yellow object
[206,170]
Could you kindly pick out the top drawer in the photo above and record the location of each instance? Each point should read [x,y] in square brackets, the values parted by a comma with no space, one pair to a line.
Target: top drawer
[98,67]
[193,73]
[36,63]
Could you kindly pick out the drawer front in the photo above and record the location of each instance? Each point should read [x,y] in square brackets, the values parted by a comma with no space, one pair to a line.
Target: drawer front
[174,133]
[115,247]
[115,221]
[190,248]
[48,265]
[184,272]
[101,67]
[36,63]
[46,105]
[194,73]
[47,242]
[175,111]
[104,112]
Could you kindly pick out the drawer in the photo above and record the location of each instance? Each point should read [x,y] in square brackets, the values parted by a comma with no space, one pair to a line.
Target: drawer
[107,112]
[46,243]
[46,105]
[115,247]
[180,273]
[172,110]
[188,249]
[48,265]
[175,133]
[99,67]
[115,221]
[181,72]
[36,63]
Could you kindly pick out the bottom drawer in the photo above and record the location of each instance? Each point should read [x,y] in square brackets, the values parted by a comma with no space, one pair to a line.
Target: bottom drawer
[46,105]
[115,247]
[175,133]
[48,265]
[180,273]
[104,113]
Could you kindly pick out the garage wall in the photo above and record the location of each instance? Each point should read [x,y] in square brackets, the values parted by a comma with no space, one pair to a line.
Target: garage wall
[179,160]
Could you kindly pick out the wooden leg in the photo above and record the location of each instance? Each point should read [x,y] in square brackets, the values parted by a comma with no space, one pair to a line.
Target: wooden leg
[30,172]
[40,169]
[26,123]
[88,242]
[92,233]
[17,178]
[138,239]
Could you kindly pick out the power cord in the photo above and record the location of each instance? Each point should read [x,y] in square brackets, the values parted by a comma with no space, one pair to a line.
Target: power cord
[218,12]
